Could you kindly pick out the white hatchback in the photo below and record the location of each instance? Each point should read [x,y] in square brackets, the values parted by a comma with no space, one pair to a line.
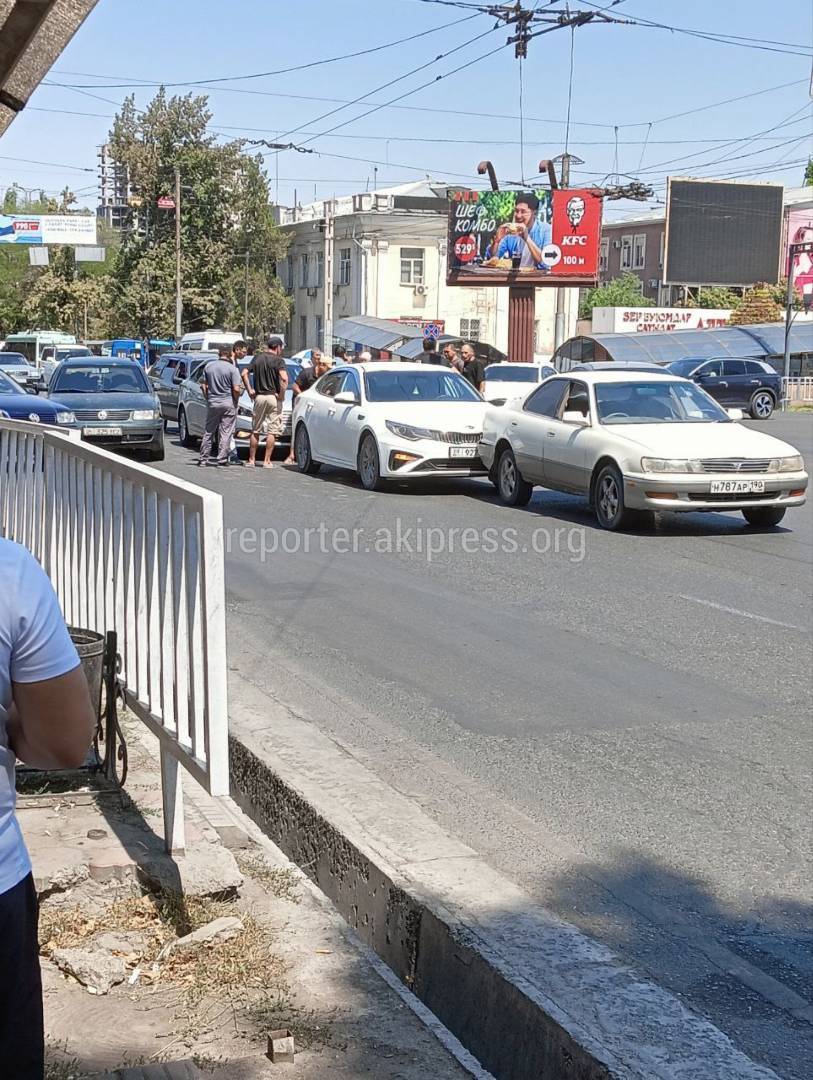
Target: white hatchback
[387,421]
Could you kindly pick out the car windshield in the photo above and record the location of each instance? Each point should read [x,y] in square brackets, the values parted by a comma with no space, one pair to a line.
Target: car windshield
[13,359]
[684,368]
[438,385]
[66,354]
[100,379]
[512,373]
[662,402]
[7,385]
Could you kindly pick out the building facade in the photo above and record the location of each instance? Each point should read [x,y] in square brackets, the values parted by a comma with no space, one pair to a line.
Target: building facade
[389,262]
[114,191]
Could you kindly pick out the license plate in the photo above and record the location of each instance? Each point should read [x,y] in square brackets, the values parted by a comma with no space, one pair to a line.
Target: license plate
[101,431]
[463,451]
[736,487]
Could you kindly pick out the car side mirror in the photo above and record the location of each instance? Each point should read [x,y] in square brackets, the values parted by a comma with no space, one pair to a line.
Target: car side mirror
[346,398]
[31,390]
[573,417]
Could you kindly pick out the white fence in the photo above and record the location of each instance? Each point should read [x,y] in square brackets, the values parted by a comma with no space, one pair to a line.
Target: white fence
[132,550]
[798,391]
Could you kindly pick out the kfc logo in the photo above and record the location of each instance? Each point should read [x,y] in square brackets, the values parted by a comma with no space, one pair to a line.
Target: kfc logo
[572,241]
[575,211]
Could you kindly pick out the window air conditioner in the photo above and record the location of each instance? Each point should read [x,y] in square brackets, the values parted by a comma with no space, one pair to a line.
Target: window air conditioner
[654,283]
[420,290]
[617,244]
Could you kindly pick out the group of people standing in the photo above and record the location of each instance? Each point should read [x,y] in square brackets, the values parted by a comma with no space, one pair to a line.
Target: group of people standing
[466,362]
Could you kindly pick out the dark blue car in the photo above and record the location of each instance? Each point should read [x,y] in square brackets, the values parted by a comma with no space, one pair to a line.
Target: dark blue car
[745,383]
[18,405]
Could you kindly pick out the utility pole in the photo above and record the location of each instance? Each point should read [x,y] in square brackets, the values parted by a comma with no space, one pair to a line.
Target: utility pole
[178,300]
[245,301]
[327,319]
[559,324]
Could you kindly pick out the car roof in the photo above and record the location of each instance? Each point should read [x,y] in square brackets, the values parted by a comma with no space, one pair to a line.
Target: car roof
[101,361]
[389,365]
[620,375]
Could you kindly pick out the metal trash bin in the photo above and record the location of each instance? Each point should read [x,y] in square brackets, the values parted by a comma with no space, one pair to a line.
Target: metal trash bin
[90,647]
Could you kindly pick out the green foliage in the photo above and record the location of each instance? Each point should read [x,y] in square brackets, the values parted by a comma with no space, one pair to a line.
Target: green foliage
[624,291]
[762,304]
[808,181]
[714,296]
[498,204]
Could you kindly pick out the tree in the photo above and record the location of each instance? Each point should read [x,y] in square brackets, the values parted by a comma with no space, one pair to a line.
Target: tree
[714,296]
[225,212]
[808,181]
[759,305]
[624,291]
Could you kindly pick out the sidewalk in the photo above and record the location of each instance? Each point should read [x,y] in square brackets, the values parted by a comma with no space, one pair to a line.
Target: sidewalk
[121,995]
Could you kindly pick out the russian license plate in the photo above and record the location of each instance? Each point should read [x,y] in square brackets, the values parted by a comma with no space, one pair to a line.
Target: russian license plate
[101,431]
[463,451]
[736,487]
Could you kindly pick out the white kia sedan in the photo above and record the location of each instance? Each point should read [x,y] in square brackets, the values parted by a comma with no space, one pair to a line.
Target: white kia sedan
[637,442]
[388,421]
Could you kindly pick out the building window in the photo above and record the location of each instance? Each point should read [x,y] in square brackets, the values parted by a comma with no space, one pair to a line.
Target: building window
[470,329]
[604,254]
[344,266]
[319,343]
[412,266]
[626,252]
[304,269]
[639,251]
[320,270]
[303,331]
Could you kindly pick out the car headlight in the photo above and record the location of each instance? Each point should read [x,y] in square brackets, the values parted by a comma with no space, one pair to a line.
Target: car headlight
[65,418]
[670,465]
[146,414]
[407,431]
[793,463]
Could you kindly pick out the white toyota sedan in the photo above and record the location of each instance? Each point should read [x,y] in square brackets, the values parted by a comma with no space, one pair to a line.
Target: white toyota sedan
[388,421]
[637,442]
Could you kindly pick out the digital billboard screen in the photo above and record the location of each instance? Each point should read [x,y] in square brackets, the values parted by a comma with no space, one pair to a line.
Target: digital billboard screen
[722,233]
[538,237]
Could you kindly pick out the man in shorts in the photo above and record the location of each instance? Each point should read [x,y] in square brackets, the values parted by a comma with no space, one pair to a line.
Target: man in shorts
[266,380]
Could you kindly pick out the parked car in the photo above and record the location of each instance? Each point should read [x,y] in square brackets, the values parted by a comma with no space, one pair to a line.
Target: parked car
[113,402]
[636,442]
[17,367]
[19,404]
[387,421]
[507,380]
[192,409]
[745,383]
[169,374]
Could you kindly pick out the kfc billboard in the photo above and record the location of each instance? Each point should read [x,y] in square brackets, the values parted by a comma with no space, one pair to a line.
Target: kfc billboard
[536,237]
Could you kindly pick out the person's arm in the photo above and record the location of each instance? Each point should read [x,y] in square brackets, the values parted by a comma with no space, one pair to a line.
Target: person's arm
[535,250]
[283,378]
[204,386]
[236,386]
[245,376]
[51,723]
[493,249]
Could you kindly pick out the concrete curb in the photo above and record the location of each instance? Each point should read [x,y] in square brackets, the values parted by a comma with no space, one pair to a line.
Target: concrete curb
[527,994]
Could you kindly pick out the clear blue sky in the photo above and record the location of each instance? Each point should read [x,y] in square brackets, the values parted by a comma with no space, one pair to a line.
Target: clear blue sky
[624,75]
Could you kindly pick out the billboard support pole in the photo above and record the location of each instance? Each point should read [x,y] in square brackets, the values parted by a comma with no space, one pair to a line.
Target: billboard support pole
[788,321]
[559,324]
[521,311]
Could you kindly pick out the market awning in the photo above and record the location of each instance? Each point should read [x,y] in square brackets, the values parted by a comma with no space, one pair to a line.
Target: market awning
[33,33]
[373,333]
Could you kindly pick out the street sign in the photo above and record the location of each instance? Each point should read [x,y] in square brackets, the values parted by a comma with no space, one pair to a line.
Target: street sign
[431,331]
[166,202]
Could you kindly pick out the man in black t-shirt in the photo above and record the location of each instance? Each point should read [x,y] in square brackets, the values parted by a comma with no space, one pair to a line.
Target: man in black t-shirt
[304,381]
[473,369]
[269,376]
[430,354]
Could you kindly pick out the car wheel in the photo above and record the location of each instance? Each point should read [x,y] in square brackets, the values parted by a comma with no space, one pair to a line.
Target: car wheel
[608,501]
[762,405]
[157,453]
[302,449]
[764,518]
[513,489]
[183,429]
[368,464]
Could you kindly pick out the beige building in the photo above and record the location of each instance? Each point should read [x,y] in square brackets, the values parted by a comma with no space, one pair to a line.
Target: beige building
[389,262]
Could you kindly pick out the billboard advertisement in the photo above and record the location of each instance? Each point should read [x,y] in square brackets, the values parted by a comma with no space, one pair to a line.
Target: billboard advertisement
[48,229]
[800,230]
[538,237]
[722,232]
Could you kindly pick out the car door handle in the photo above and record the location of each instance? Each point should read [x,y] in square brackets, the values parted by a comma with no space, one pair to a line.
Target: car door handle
[513,423]
[360,416]
[550,434]
[721,383]
[755,382]
[330,412]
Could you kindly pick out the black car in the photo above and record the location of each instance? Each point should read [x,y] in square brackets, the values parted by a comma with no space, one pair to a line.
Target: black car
[744,383]
[113,403]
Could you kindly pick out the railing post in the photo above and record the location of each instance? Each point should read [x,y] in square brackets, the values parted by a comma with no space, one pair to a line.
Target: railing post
[172,794]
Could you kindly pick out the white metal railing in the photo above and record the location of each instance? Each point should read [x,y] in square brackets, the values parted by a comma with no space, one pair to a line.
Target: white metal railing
[132,550]
[796,390]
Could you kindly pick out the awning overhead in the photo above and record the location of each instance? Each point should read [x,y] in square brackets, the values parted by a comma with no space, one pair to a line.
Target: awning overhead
[374,333]
[413,348]
[765,339]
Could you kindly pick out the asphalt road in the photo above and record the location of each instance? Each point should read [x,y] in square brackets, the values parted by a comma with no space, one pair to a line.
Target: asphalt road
[620,723]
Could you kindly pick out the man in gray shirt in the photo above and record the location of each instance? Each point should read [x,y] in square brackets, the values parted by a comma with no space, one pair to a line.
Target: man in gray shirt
[221,387]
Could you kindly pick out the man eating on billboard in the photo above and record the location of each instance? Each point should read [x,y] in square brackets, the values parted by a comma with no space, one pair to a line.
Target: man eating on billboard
[524,238]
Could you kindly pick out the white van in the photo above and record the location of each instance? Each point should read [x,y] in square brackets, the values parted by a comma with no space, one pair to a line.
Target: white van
[208,340]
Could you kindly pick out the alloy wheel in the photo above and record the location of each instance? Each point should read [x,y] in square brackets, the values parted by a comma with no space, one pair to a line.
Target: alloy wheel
[508,475]
[763,406]
[608,498]
[368,465]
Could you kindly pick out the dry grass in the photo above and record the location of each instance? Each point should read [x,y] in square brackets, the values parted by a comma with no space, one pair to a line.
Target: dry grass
[280,881]
[311,1031]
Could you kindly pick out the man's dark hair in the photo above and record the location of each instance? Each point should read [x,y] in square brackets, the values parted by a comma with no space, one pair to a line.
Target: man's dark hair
[529,199]
[429,345]
[239,345]
[340,352]
[224,351]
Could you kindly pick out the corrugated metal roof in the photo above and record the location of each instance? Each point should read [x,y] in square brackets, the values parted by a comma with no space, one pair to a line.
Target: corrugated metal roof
[374,333]
[765,339]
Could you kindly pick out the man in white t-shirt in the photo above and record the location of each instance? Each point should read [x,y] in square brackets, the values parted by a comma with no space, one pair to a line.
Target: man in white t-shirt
[47,721]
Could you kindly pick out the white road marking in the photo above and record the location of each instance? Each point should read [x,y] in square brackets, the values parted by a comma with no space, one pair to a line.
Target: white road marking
[742,614]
